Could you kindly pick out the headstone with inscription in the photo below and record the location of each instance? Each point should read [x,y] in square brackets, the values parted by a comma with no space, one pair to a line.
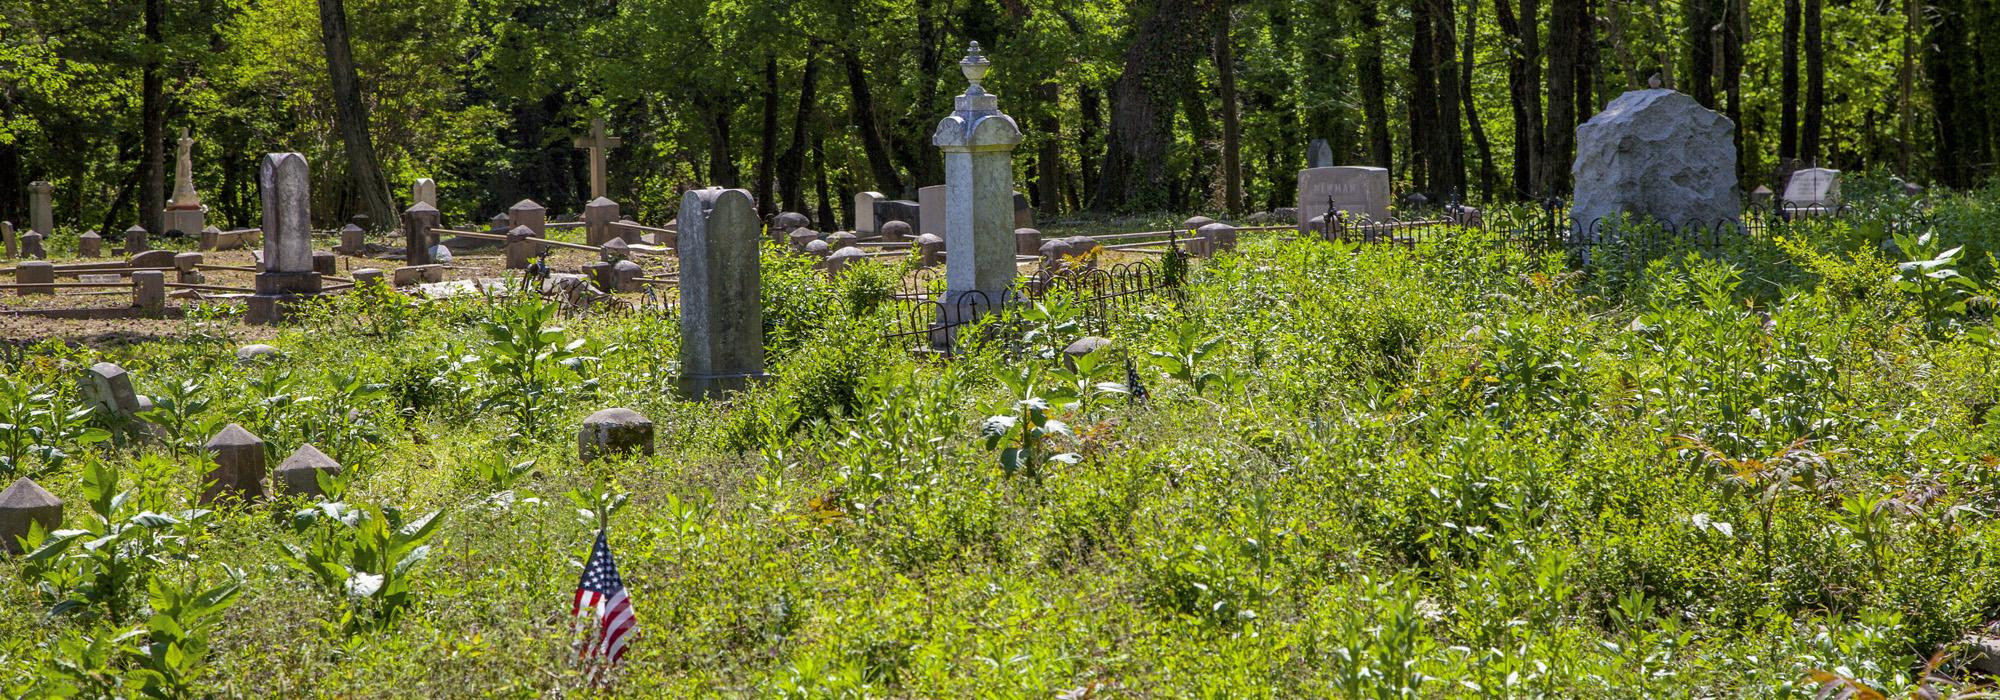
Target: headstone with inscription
[1358,190]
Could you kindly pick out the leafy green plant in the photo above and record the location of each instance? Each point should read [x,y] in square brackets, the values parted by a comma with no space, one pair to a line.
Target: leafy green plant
[1931,276]
[99,569]
[1186,359]
[367,555]
[181,412]
[523,358]
[1022,434]
[38,424]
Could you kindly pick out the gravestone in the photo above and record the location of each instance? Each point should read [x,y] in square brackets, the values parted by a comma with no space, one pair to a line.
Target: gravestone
[1083,346]
[34,276]
[977,211]
[1218,237]
[353,240]
[1024,213]
[529,214]
[865,222]
[615,431]
[1027,242]
[185,215]
[90,245]
[186,268]
[419,221]
[1658,155]
[599,144]
[930,249]
[31,246]
[239,465]
[107,389]
[1813,190]
[1358,190]
[424,191]
[41,207]
[288,255]
[135,240]
[149,290]
[299,474]
[840,239]
[625,276]
[930,210]
[722,322]
[894,231]
[842,259]
[1319,155]
[7,239]
[1760,196]
[23,505]
[256,352]
[906,211]
[599,217]
[520,250]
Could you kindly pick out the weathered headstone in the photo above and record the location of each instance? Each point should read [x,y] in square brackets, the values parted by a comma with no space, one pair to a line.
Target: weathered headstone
[364,276]
[1319,154]
[930,209]
[424,190]
[978,202]
[598,219]
[1218,237]
[895,231]
[1658,155]
[135,240]
[185,215]
[625,276]
[864,212]
[599,144]
[1813,190]
[418,239]
[288,254]
[299,474]
[722,321]
[34,276]
[520,250]
[239,465]
[615,430]
[1027,241]
[41,207]
[90,245]
[930,249]
[187,268]
[1358,190]
[149,290]
[1024,213]
[840,239]
[23,505]
[906,211]
[107,388]
[7,239]
[353,240]
[798,239]
[1083,346]
[31,247]
[529,214]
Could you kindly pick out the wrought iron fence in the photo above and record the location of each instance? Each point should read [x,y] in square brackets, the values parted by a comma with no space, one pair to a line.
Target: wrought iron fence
[932,321]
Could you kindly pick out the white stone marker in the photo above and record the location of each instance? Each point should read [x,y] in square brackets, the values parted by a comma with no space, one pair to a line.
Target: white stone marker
[424,191]
[1813,189]
[978,143]
[1356,189]
[184,215]
[930,210]
[288,254]
[1659,155]
[864,212]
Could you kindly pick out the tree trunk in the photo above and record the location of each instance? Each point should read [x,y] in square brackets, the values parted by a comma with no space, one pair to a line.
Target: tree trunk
[1809,140]
[767,151]
[1559,132]
[1137,158]
[351,111]
[1089,150]
[1374,89]
[1232,127]
[153,124]
[1467,61]
[1437,151]
[721,164]
[1524,77]
[1736,25]
[1700,15]
[863,107]
[1048,149]
[791,166]
[11,186]
[827,222]
[1905,87]
[1788,95]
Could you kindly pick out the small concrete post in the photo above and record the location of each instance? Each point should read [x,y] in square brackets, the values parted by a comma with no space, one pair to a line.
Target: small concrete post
[149,290]
[31,274]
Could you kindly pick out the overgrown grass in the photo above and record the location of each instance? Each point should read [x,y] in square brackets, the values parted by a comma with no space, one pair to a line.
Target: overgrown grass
[1361,472]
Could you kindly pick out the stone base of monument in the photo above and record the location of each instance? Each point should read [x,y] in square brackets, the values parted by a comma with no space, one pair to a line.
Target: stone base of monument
[703,387]
[955,312]
[276,292]
[186,223]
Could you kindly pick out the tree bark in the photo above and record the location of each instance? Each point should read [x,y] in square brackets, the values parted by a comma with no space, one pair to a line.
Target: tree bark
[826,216]
[1048,170]
[153,124]
[1467,61]
[791,166]
[1232,127]
[1136,174]
[1905,87]
[1559,132]
[863,107]
[1809,139]
[11,186]
[1788,94]
[1374,89]
[1089,150]
[351,111]
[721,164]
[1736,27]
[767,155]
[1700,16]
[1524,79]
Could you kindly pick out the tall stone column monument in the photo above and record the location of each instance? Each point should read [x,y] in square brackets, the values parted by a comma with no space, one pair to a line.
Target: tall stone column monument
[41,208]
[722,324]
[978,144]
[288,255]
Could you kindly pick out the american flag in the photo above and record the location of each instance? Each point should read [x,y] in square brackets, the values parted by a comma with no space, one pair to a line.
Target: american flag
[602,593]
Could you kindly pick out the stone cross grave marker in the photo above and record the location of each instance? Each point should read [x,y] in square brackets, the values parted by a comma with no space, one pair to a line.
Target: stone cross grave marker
[599,144]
